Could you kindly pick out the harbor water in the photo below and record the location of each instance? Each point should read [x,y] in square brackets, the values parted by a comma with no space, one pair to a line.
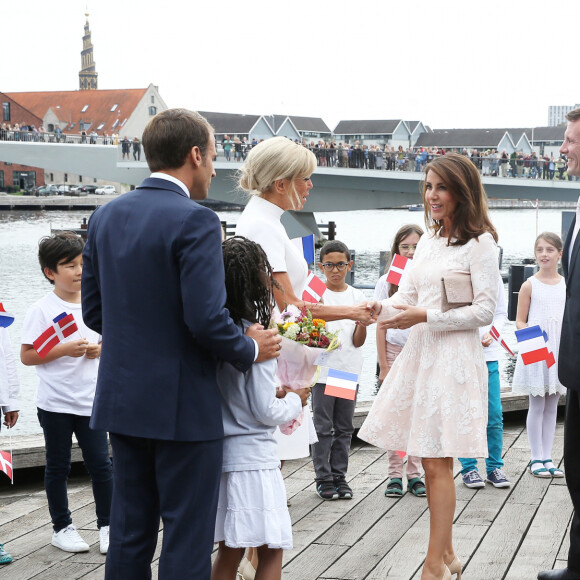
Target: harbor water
[368,232]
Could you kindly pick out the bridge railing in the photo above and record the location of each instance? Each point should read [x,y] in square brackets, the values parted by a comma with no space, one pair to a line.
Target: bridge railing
[373,158]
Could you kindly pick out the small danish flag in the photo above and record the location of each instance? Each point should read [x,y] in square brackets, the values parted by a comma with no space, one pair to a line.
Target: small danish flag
[397,269]
[6,464]
[314,290]
[498,338]
[64,325]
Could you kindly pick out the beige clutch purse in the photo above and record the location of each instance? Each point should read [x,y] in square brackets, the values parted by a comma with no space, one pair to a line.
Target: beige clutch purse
[456,291]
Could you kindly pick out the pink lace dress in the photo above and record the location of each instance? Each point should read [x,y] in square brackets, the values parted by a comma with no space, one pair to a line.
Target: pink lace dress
[433,402]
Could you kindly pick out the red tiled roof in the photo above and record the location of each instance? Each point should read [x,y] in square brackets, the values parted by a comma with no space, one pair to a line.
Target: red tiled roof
[67,106]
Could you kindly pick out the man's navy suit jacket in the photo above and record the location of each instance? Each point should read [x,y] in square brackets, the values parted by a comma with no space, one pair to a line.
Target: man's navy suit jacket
[568,355]
[153,286]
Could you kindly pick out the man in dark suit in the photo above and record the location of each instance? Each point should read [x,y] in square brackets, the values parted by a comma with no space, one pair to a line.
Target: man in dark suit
[153,286]
[568,361]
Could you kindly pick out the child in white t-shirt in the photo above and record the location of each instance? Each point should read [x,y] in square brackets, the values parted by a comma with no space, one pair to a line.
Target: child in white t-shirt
[333,415]
[67,377]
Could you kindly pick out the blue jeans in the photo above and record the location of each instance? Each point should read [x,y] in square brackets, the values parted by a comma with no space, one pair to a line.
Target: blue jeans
[494,425]
[58,430]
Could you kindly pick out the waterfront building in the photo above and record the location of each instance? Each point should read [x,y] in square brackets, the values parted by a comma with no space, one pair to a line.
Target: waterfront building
[101,112]
[392,132]
[236,125]
[459,139]
[13,176]
[301,128]
[416,128]
[557,114]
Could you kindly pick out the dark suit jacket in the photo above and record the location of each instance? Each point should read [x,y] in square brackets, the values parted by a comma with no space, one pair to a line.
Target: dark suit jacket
[153,286]
[569,353]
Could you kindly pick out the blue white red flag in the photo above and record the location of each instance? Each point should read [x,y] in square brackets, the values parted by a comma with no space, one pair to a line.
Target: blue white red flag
[314,290]
[341,384]
[63,325]
[6,464]
[533,346]
[308,248]
[5,319]
[397,269]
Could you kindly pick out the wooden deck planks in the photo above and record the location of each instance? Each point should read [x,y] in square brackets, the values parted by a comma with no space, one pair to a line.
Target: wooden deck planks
[498,533]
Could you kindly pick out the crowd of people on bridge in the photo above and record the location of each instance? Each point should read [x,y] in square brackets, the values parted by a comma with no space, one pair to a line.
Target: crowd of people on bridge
[489,162]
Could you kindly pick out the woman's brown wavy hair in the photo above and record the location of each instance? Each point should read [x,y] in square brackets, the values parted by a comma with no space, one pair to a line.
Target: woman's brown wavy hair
[471,217]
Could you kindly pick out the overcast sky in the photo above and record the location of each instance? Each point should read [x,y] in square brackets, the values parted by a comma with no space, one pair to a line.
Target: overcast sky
[447,63]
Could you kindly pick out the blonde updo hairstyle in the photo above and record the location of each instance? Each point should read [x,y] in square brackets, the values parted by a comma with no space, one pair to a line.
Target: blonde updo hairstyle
[274,159]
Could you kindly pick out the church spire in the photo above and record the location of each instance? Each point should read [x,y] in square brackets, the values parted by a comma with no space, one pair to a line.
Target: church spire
[87,75]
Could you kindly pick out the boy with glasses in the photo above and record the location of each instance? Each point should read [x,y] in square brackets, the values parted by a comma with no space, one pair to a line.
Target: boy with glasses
[333,415]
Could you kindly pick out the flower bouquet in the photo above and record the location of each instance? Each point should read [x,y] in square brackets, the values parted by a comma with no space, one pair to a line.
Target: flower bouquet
[304,340]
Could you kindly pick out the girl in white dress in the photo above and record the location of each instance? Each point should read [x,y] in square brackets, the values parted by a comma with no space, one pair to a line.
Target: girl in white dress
[541,301]
[433,402]
[252,510]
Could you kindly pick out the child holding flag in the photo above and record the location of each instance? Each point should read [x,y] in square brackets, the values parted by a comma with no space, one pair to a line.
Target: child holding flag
[66,355]
[541,302]
[9,389]
[491,351]
[333,415]
[252,510]
[389,344]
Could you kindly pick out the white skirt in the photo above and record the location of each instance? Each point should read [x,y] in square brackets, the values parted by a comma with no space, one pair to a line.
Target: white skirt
[252,510]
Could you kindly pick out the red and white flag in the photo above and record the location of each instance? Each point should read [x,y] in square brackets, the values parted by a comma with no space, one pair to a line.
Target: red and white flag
[6,464]
[5,319]
[314,290]
[63,325]
[498,338]
[397,269]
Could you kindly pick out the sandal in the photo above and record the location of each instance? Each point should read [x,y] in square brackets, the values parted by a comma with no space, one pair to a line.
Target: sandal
[539,472]
[395,488]
[554,471]
[417,487]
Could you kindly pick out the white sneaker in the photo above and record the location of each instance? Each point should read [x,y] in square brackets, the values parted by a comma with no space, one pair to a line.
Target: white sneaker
[103,539]
[69,540]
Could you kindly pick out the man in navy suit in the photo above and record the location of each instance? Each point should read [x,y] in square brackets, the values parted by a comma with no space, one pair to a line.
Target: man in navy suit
[568,362]
[153,286]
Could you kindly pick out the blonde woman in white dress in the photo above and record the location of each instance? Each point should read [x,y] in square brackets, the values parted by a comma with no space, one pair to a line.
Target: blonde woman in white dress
[433,403]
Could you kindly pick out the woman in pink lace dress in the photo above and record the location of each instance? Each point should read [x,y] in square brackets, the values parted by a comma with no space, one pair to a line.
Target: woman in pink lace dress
[433,403]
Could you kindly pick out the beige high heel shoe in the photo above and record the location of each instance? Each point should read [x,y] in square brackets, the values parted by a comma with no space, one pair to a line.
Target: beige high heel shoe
[246,570]
[455,567]
[446,574]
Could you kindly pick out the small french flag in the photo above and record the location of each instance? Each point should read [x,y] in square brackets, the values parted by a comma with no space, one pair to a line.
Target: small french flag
[308,248]
[5,319]
[314,290]
[396,269]
[64,325]
[498,338]
[533,345]
[341,384]
[6,464]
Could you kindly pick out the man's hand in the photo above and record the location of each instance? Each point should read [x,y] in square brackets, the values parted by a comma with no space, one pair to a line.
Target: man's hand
[268,341]
[366,313]
[93,351]
[10,418]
